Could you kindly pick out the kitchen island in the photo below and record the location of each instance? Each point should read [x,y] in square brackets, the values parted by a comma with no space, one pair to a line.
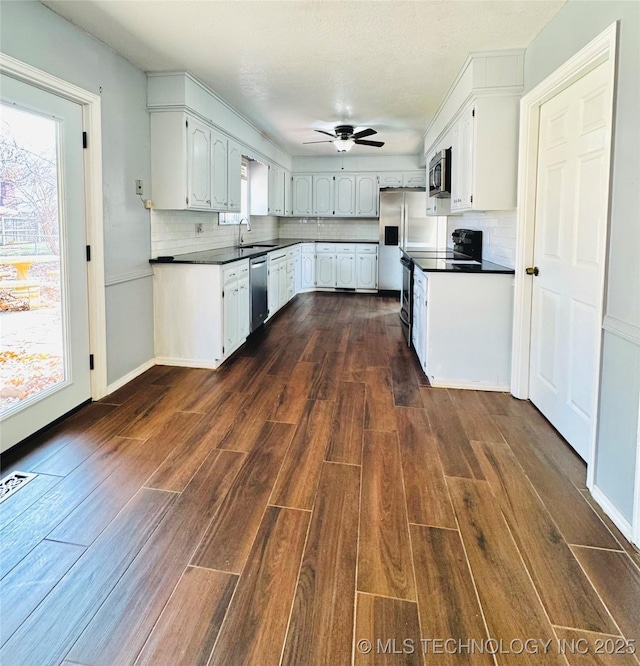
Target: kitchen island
[461,322]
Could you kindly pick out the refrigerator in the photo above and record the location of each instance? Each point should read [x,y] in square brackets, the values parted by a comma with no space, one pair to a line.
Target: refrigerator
[404,224]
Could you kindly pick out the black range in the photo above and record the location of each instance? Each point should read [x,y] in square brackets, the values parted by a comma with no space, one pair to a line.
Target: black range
[448,261]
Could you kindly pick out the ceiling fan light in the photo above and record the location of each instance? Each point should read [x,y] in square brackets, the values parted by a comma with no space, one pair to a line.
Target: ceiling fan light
[343,145]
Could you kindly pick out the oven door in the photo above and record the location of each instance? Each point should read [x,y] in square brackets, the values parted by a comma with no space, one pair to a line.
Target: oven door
[406,299]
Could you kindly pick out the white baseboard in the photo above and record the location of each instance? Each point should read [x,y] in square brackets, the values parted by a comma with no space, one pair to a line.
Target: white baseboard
[617,518]
[188,362]
[454,384]
[119,383]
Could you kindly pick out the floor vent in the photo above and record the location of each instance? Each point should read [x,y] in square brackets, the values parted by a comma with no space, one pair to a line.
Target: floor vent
[12,483]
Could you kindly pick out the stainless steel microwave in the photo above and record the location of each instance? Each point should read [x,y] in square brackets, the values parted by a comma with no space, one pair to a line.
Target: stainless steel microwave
[440,174]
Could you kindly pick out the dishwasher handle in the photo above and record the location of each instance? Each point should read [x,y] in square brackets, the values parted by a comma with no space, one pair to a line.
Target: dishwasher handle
[258,264]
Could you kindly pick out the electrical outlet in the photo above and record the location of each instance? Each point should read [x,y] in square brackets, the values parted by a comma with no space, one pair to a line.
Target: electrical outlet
[148,204]
[199,228]
[139,189]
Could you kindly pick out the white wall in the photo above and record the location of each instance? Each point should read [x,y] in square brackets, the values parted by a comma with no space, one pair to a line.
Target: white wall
[576,24]
[329,228]
[498,233]
[34,34]
[174,231]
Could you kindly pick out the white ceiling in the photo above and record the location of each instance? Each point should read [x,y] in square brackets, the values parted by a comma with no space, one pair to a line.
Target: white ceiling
[291,67]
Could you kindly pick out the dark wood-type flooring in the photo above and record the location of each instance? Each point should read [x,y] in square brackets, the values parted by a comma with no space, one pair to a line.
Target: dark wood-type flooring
[312,499]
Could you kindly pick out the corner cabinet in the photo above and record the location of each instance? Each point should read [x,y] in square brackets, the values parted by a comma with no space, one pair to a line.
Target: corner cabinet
[190,165]
[201,312]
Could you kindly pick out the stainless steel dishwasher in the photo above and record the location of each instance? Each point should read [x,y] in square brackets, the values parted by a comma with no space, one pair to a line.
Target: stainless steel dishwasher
[258,284]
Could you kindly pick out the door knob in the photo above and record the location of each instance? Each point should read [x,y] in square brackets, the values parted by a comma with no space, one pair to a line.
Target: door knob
[532,271]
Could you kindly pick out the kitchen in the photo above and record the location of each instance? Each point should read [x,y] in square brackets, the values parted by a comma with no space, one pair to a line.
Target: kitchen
[130,293]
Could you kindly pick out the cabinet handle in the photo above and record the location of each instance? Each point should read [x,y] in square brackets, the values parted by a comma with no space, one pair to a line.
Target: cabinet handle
[209,201]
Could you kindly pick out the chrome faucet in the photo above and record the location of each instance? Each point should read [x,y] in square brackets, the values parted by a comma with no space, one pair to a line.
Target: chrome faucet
[240,237]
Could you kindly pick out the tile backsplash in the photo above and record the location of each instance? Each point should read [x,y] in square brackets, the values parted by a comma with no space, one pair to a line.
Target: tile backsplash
[174,231]
[329,228]
[498,233]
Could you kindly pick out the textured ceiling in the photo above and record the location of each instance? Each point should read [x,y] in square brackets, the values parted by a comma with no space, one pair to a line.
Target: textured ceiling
[294,66]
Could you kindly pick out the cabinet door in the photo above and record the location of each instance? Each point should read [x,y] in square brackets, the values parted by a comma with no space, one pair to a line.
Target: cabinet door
[345,195]
[323,195]
[219,193]
[307,271]
[346,271]
[198,164]
[288,195]
[244,307]
[367,271]
[280,195]
[326,270]
[367,195]
[390,179]
[282,283]
[297,273]
[302,199]
[234,177]
[415,179]
[272,288]
[230,315]
[462,162]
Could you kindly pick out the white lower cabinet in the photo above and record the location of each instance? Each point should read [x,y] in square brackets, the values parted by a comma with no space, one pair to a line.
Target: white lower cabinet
[461,329]
[325,266]
[277,280]
[235,297]
[196,325]
[346,271]
[308,267]
[366,266]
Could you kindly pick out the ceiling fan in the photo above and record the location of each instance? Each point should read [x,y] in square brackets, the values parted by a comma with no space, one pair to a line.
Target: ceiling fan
[344,138]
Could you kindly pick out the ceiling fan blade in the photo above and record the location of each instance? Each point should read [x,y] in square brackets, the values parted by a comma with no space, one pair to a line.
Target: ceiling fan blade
[363,133]
[361,142]
[327,133]
[325,141]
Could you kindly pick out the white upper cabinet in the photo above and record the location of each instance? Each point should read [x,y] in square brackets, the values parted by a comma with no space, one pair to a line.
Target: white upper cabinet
[478,120]
[219,166]
[345,195]
[234,177]
[302,196]
[323,195]
[198,164]
[189,164]
[277,178]
[415,179]
[367,195]
[391,179]
[288,194]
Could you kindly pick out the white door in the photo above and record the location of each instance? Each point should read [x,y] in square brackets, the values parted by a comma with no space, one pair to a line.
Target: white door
[230,314]
[44,321]
[323,195]
[244,307]
[367,268]
[282,283]
[345,192]
[234,176]
[346,271]
[302,186]
[219,166]
[367,195]
[326,270]
[198,164]
[308,271]
[570,225]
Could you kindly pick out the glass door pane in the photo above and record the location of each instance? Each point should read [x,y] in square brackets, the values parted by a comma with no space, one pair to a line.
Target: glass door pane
[32,359]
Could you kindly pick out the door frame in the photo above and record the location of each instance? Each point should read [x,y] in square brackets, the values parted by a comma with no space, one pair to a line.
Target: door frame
[602,49]
[92,125]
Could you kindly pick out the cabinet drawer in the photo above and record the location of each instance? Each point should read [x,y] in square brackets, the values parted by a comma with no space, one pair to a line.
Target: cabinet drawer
[325,248]
[366,249]
[308,248]
[275,257]
[291,264]
[345,248]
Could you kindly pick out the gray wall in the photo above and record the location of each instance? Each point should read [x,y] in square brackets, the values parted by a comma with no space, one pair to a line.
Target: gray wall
[33,34]
[575,25]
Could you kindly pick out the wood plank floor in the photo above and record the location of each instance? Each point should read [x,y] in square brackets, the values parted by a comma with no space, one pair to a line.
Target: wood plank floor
[313,503]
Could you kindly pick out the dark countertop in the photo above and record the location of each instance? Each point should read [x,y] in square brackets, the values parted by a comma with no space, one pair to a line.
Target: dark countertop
[436,262]
[226,255]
